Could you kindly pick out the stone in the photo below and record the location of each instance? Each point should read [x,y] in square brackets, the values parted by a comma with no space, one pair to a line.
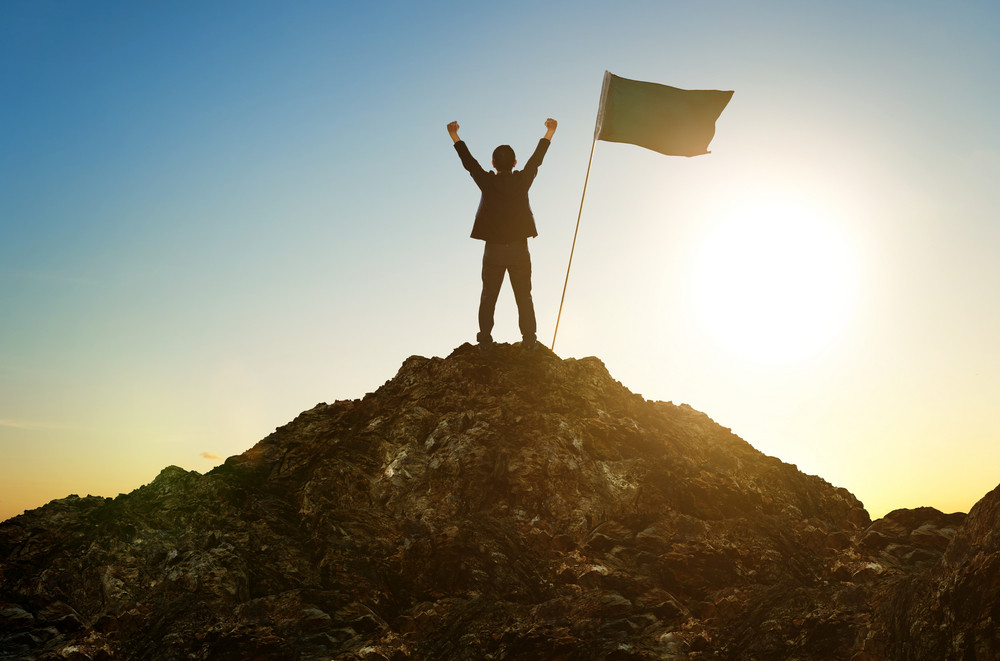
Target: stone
[500,506]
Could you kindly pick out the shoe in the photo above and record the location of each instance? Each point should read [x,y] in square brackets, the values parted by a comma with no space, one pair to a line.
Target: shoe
[529,347]
[485,348]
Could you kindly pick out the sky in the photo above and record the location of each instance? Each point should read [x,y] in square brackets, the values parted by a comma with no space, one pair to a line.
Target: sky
[215,215]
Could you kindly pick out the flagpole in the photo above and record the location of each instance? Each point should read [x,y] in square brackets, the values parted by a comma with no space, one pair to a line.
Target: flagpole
[575,232]
[597,130]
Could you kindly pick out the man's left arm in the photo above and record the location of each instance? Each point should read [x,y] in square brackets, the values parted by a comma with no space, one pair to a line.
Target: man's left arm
[468,162]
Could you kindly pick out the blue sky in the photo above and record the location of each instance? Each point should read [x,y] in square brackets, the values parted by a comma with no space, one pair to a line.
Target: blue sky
[215,216]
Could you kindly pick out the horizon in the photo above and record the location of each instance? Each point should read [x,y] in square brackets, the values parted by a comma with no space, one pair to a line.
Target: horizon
[215,217]
[514,344]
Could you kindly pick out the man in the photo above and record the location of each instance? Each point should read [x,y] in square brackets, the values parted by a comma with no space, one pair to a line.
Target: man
[504,221]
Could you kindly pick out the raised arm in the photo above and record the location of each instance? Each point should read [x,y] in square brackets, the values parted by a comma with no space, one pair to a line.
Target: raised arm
[468,162]
[531,167]
[550,124]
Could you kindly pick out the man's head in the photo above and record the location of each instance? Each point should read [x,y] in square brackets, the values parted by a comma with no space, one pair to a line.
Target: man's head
[503,158]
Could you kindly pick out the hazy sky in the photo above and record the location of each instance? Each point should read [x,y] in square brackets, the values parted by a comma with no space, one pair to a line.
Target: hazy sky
[215,215]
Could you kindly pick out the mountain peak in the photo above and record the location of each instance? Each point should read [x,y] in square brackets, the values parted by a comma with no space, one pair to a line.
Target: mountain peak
[500,506]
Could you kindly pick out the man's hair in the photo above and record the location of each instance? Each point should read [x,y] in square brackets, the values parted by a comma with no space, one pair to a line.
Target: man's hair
[503,158]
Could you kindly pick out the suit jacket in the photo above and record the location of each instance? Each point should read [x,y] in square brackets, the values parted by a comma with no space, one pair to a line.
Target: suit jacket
[504,215]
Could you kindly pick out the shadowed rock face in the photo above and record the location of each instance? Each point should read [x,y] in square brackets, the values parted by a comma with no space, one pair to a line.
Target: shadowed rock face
[506,507]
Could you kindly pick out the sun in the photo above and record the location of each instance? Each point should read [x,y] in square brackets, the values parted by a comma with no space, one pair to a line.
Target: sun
[775,281]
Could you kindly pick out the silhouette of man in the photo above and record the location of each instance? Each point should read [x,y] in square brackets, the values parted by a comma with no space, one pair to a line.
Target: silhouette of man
[504,221]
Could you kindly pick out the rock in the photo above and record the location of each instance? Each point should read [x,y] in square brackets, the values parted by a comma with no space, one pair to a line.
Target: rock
[506,506]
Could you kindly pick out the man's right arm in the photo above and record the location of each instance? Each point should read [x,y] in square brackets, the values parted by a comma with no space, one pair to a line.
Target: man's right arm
[531,167]
[550,125]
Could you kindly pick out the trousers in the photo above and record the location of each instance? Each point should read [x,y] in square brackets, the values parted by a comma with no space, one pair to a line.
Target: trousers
[512,259]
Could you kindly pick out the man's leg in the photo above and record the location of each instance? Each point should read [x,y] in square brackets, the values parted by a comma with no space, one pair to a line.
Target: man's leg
[492,280]
[520,281]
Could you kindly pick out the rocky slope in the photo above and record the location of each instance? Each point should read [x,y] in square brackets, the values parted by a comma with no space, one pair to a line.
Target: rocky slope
[507,507]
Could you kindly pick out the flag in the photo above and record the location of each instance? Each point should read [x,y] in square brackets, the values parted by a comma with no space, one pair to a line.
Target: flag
[665,119]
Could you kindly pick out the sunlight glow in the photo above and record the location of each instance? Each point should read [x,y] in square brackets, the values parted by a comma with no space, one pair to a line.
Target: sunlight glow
[775,282]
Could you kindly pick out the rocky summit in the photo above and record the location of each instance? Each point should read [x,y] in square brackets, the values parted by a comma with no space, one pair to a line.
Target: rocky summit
[498,507]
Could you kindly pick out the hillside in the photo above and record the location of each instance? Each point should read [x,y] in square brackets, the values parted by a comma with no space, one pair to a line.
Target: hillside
[502,507]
